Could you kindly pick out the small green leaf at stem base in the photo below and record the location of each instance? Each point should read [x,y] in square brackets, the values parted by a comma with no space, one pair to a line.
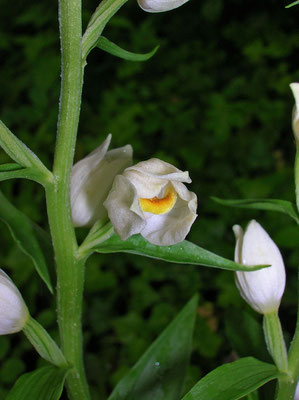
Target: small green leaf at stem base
[43,384]
[182,253]
[160,372]
[233,381]
[282,206]
[113,49]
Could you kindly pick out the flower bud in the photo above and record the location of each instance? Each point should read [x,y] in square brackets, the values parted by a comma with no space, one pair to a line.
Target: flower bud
[155,6]
[297,392]
[149,198]
[91,181]
[13,311]
[295,118]
[261,289]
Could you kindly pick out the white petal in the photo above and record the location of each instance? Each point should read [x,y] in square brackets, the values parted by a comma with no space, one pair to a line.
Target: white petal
[151,176]
[123,208]
[13,310]
[160,5]
[91,180]
[173,227]
[262,289]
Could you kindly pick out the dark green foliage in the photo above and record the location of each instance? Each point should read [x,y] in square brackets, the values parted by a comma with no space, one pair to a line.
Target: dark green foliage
[214,100]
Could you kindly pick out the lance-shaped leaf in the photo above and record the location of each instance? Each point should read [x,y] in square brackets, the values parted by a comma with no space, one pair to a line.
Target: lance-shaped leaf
[43,384]
[295,3]
[233,381]
[26,235]
[282,206]
[102,15]
[19,152]
[160,372]
[181,253]
[13,170]
[112,48]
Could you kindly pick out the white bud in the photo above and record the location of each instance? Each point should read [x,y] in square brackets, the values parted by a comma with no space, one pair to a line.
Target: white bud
[295,118]
[261,289]
[149,198]
[92,179]
[155,6]
[13,310]
[297,392]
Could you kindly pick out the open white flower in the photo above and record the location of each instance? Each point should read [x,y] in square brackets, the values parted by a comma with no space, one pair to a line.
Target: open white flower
[155,6]
[264,288]
[91,180]
[13,311]
[295,118]
[149,198]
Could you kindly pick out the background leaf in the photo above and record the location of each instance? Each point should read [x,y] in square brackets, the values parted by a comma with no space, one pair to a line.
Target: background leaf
[282,206]
[23,231]
[160,372]
[183,253]
[233,381]
[43,384]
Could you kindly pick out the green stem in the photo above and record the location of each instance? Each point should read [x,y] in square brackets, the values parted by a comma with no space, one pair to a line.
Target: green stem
[70,271]
[275,341]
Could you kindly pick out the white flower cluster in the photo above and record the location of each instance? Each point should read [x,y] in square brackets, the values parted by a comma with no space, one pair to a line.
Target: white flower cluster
[149,198]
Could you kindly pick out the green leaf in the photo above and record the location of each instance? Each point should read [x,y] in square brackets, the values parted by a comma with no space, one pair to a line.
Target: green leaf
[233,381]
[182,253]
[43,384]
[282,206]
[111,48]
[13,170]
[10,167]
[295,3]
[43,343]
[19,152]
[160,372]
[24,232]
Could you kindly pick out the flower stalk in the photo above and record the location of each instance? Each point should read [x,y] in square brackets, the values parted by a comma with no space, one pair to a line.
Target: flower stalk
[70,272]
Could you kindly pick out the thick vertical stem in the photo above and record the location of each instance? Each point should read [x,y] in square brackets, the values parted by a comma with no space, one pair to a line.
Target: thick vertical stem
[70,272]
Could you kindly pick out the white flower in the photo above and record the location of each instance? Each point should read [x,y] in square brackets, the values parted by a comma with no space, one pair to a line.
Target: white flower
[297,392]
[91,180]
[295,118]
[264,288]
[149,198]
[13,311]
[155,6]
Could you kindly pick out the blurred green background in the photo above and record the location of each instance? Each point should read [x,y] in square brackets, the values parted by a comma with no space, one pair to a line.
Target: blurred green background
[215,101]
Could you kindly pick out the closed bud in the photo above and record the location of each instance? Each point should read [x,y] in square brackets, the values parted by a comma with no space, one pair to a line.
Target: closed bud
[155,6]
[92,179]
[295,117]
[261,289]
[13,311]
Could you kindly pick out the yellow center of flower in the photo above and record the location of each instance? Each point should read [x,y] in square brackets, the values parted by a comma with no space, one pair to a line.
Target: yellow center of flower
[158,205]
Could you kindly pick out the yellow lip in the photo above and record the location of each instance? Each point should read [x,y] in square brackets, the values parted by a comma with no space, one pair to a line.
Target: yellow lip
[159,206]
